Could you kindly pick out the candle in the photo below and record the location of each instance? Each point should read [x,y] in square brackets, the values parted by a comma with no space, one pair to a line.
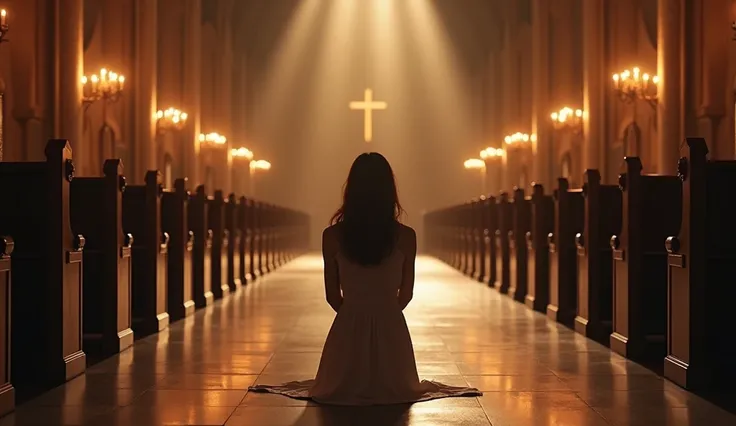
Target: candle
[3,17]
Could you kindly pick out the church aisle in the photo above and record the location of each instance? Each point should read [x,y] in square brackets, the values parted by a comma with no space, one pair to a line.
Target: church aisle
[532,371]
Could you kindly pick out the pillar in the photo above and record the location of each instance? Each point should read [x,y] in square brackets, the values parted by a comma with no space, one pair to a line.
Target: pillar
[69,62]
[224,95]
[543,147]
[510,82]
[595,77]
[670,124]
[192,88]
[144,84]
[169,82]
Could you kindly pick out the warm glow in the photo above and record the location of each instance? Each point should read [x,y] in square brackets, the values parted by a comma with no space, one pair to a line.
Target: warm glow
[567,118]
[108,85]
[171,118]
[368,105]
[260,165]
[212,138]
[634,84]
[491,153]
[242,152]
[474,163]
[519,138]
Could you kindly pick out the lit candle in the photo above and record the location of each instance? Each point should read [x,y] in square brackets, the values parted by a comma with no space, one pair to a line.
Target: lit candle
[121,82]
[3,17]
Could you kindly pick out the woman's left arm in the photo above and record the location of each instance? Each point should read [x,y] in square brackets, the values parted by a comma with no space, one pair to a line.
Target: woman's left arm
[333,293]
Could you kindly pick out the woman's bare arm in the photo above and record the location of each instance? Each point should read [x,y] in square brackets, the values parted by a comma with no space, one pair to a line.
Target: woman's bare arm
[332,282]
[409,248]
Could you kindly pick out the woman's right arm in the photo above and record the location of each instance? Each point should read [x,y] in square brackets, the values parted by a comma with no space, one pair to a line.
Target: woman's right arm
[409,248]
[333,294]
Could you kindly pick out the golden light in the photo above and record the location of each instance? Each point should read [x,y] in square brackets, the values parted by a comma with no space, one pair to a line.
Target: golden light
[474,163]
[171,118]
[108,85]
[568,119]
[213,139]
[519,139]
[4,27]
[242,152]
[260,165]
[631,85]
[491,153]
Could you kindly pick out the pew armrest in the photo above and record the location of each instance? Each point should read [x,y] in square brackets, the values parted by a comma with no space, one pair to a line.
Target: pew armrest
[190,241]
[164,245]
[75,255]
[127,244]
[6,246]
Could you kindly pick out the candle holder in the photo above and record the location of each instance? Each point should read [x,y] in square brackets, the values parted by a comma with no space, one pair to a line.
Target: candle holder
[213,140]
[4,27]
[568,119]
[634,85]
[242,152]
[492,153]
[519,140]
[170,119]
[107,86]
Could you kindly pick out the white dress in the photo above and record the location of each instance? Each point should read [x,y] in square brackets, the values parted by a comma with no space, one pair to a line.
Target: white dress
[368,357]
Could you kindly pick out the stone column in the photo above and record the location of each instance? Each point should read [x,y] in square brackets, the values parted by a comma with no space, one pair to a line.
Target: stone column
[144,89]
[594,84]
[192,90]
[224,98]
[510,80]
[69,63]
[542,148]
[670,124]
[169,84]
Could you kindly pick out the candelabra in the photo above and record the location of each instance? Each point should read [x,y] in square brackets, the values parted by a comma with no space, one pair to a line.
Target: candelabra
[170,119]
[480,165]
[108,87]
[4,27]
[489,153]
[242,152]
[519,139]
[633,85]
[256,165]
[568,119]
[212,139]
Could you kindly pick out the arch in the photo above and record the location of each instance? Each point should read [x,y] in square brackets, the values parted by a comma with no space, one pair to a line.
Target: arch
[92,12]
[168,171]
[209,178]
[566,166]
[648,9]
[631,140]
[523,181]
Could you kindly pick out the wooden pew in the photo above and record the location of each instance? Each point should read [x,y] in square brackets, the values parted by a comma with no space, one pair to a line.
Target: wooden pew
[702,264]
[595,274]
[258,237]
[458,231]
[174,221]
[651,213]
[250,240]
[505,222]
[97,212]
[468,238]
[142,218]
[202,249]
[521,218]
[233,248]
[244,247]
[479,247]
[563,292]
[46,293]
[7,391]
[537,244]
[491,224]
[220,240]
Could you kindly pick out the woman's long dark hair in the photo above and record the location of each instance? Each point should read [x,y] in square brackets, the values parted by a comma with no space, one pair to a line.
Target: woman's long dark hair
[370,212]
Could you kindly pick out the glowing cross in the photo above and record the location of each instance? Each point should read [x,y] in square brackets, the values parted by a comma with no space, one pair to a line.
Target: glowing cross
[368,105]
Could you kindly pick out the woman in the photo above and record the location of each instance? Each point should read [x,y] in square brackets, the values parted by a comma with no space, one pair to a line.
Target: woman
[368,358]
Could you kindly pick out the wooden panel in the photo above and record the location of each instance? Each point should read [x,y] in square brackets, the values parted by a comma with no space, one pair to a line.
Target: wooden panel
[595,276]
[142,219]
[521,220]
[218,266]
[491,219]
[569,212]
[542,224]
[258,233]
[651,213]
[479,234]
[233,250]
[201,251]
[505,222]
[46,294]
[7,391]
[174,221]
[244,247]
[97,213]
[702,263]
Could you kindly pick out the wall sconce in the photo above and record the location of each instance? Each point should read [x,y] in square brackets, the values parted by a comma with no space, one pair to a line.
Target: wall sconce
[480,165]
[518,139]
[633,85]
[568,119]
[4,27]
[242,152]
[171,119]
[256,165]
[108,86]
[212,139]
[492,153]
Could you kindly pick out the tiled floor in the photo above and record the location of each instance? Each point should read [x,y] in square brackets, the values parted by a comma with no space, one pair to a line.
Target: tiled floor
[532,371]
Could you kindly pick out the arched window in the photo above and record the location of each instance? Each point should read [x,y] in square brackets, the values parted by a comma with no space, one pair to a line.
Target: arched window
[566,166]
[523,178]
[107,143]
[632,141]
[168,172]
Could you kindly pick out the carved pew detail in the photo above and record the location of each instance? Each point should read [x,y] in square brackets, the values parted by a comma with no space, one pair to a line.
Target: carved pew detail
[244,247]
[220,237]
[479,234]
[505,219]
[489,233]
[46,293]
[569,211]
[202,248]
[651,213]
[521,224]
[595,275]
[701,259]
[142,218]
[233,248]
[97,212]
[175,223]
[542,224]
